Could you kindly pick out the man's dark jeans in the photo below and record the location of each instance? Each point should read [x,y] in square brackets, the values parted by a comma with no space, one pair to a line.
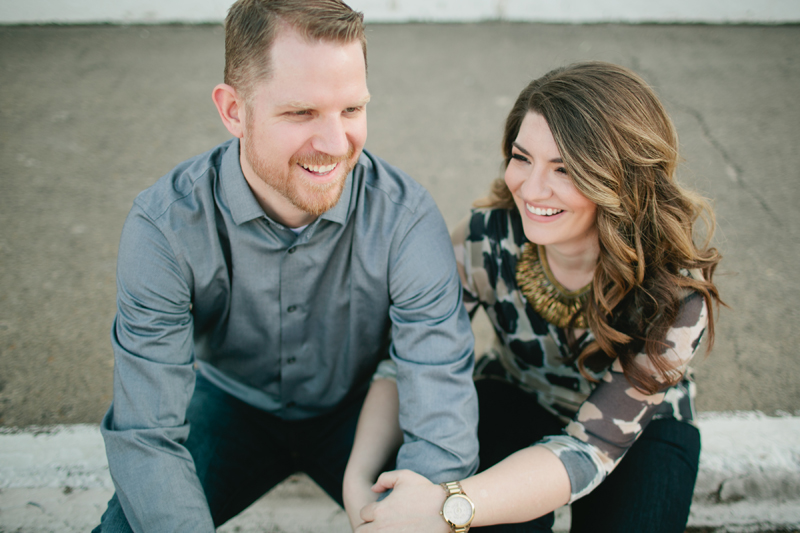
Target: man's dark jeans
[650,491]
[241,452]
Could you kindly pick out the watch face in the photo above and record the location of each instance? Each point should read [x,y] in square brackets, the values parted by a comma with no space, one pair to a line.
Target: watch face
[458,510]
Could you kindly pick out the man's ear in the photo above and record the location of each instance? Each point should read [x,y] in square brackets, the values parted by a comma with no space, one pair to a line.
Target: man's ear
[230,107]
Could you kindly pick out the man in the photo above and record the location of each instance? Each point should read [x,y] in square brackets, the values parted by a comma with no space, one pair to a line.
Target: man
[260,283]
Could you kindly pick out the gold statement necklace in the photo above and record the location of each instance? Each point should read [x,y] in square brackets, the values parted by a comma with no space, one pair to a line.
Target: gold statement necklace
[547,296]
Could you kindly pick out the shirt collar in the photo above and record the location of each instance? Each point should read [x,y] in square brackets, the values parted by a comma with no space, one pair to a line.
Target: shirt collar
[243,204]
[339,212]
[241,201]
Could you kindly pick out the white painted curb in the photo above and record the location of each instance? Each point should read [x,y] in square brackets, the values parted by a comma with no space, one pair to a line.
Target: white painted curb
[749,456]
[749,476]
[54,457]
[749,468]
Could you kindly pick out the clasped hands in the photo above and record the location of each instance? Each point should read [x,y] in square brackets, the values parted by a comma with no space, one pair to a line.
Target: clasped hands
[412,507]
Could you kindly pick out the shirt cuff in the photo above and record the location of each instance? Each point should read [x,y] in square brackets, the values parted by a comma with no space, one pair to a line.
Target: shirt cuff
[387,369]
[584,468]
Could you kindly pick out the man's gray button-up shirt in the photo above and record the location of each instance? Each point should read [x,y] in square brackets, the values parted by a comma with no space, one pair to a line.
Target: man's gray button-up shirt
[291,324]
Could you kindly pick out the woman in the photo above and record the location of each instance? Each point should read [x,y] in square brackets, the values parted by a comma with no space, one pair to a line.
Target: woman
[584,259]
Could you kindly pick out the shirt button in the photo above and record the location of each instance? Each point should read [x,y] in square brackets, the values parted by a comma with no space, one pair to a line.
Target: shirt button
[291,308]
[292,250]
[291,360]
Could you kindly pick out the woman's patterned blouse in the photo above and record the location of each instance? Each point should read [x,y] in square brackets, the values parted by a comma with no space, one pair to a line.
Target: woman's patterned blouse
[602,419]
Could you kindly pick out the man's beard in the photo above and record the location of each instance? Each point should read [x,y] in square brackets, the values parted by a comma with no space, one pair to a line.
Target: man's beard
[306,195]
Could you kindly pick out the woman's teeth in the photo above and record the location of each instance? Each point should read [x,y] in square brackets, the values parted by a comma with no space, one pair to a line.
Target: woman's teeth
[319,169]
[542,212]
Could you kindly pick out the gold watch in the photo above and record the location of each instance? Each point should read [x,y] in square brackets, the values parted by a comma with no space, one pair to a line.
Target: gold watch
[457,510]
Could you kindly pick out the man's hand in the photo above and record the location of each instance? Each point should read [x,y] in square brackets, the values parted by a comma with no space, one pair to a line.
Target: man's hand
[412,507]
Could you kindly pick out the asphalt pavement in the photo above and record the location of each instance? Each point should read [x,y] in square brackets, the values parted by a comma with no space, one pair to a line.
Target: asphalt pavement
[91,115]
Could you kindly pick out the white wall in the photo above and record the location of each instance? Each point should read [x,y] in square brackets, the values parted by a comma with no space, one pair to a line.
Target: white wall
[192,11]
[715,11]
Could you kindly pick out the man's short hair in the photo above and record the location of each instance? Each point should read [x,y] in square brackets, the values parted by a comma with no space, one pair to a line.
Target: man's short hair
[252,26]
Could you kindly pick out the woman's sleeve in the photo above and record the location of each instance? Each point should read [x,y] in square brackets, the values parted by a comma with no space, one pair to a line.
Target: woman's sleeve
[463,248]
[616,413]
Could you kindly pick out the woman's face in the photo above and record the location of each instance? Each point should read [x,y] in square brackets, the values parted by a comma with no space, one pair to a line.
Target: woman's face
[553,211]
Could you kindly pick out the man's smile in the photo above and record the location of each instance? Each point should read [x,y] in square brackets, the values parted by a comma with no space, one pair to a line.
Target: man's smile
[319,170]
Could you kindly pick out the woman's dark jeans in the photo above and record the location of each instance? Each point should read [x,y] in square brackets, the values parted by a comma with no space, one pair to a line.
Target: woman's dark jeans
[650,491]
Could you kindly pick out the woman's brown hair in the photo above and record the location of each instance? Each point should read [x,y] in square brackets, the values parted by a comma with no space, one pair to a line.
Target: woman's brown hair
[620,148]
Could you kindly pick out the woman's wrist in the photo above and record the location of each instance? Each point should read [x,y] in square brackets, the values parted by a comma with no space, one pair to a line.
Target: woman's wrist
[357,478]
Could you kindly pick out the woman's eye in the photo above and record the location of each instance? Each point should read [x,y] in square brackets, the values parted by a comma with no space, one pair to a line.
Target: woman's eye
[562,170]
[519,157]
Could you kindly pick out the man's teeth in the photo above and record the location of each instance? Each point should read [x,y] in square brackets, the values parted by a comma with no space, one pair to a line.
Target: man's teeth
[319,169]
[543,212]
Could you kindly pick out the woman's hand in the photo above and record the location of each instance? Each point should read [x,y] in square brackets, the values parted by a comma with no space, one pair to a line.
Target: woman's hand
[413,505]
[377,439]
[357,493]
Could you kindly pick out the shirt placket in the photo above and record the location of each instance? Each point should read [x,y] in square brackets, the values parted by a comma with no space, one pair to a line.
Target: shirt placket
[294,311]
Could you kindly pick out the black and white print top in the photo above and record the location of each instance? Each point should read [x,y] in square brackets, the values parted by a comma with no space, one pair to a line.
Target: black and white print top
[602,419]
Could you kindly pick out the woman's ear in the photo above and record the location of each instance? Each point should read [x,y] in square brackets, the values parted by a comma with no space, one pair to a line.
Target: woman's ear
[230,107]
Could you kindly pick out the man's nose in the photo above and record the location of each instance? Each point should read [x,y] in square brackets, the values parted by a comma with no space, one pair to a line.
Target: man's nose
[331,137]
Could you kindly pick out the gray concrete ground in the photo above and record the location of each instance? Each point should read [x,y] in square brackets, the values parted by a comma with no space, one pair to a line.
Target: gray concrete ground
[89,116]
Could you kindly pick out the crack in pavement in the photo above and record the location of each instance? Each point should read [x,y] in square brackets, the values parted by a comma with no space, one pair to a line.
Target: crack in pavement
[731,168]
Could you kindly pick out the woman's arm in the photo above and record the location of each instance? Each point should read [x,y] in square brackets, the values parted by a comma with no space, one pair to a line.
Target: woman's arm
[377,439]
[536,480]
[526,485]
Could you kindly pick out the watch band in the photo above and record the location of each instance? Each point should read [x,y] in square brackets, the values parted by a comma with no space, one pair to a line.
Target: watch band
[452,488]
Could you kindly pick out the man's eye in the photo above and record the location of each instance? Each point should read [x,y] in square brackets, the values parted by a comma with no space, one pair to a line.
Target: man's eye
[300,112]
[351,110]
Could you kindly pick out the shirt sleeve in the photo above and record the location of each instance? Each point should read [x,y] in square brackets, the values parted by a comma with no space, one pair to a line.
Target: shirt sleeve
[145,428]
[433,348]
[615,414]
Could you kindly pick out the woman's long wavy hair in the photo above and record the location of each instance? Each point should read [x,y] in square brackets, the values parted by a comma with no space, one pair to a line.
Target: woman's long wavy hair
[621,150]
